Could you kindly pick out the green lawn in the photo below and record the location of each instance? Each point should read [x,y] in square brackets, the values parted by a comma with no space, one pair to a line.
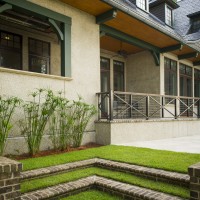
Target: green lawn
[167,160]
[91,195]
[115,175]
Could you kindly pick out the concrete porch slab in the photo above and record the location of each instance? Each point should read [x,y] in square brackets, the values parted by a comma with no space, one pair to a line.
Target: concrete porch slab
[189,144]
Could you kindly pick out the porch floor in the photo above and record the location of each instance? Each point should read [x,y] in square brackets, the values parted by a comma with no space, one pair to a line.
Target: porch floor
[189,144]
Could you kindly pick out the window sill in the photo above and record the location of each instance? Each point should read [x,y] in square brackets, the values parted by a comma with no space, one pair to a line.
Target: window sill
[13,71]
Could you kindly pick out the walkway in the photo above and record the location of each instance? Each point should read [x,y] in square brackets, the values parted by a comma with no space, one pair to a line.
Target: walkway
[189,144]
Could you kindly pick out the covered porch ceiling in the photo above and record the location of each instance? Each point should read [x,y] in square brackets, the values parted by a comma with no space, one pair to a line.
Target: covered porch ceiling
[132,29]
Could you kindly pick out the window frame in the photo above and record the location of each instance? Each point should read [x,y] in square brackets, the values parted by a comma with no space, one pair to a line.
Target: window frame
[20,51]
[123,74]
[196,79]
[146,5]
[197,28]
[171,71]
[167,7]
[48,69]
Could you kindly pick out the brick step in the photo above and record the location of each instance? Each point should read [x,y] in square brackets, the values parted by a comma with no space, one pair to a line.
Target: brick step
[151,173]
[108,185]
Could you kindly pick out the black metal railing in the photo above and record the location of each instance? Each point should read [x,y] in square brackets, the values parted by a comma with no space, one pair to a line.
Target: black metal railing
[126,105]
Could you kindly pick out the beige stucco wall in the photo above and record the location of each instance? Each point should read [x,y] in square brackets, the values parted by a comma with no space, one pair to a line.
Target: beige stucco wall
[123,132]
[142,75]
[85,68]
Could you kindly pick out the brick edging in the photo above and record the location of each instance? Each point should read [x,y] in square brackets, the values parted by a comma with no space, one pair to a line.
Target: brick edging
[151,173]
[105,184]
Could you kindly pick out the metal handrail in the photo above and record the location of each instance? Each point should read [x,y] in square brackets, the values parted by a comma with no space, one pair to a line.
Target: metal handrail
[117,105]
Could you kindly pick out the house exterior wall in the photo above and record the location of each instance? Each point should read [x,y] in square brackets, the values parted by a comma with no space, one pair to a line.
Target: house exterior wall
[142,74]
[85,79]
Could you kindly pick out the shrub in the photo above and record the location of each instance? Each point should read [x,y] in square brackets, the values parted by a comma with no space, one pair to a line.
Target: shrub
[81,113]
[36,116]
[7,108]
[60,126]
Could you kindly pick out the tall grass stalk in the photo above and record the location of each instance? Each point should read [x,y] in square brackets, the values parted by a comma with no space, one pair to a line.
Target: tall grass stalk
[60,126]
[81,113]
[36,116]
[7,108]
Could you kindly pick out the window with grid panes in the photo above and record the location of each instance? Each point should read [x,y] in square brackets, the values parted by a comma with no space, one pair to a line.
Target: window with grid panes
[142,4]
[197,83]
[170,77]
[185,80]
[195,27]
[169,16]
[10,50]
[39,56]
[118,75]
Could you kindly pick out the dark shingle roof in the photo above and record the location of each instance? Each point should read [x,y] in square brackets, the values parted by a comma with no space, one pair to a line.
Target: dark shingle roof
[182,22]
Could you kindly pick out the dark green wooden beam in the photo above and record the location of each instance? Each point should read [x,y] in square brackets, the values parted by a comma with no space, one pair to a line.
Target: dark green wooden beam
[104,17]
[172,48]
[197,63]
[44,13]
[127,38]
[5,7]
[156,57]
[56,29]
[188,55]
[66,50]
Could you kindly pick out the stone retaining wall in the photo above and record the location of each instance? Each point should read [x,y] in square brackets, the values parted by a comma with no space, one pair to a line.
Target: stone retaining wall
[194,172]
[9,179]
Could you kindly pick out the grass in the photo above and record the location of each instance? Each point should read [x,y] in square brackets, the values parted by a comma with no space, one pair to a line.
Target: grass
[91,195]
[119,176]
[167,160]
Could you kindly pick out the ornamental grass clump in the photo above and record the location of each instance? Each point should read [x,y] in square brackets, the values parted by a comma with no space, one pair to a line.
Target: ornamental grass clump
[60,126]
[81,113]
[7,108]
[36,115]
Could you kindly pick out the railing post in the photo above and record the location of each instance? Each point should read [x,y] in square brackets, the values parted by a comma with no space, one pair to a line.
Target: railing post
[111,99]
[131,100]
[175,108]
[163,105]
[99,111]
[187,108]
[147,107]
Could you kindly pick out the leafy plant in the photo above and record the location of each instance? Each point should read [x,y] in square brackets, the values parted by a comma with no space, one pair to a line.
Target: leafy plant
[60,126]
[36,116]
[81,113]
[7,108]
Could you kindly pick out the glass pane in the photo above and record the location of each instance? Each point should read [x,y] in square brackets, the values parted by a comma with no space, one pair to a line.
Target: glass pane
[10,59]
[105,75]
[38,64]
[118,76]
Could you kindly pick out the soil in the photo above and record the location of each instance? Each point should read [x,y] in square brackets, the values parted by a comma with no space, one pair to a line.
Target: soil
[53,152]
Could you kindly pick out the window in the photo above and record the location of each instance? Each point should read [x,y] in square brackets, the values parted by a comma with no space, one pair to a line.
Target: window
[197,83]
[142,4]
[39,56]
[170,77]
[105,74]
[169,16]
[185,80]
[10,50]
[118,76]
[195,27]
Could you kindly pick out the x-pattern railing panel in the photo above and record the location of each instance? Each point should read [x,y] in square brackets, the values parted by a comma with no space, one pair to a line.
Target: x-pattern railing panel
[122,105]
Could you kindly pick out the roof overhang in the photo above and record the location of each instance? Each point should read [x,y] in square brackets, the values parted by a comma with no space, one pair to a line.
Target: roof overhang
[132,24]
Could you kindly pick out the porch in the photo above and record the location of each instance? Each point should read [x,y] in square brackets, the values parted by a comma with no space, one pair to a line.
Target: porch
[132,117]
